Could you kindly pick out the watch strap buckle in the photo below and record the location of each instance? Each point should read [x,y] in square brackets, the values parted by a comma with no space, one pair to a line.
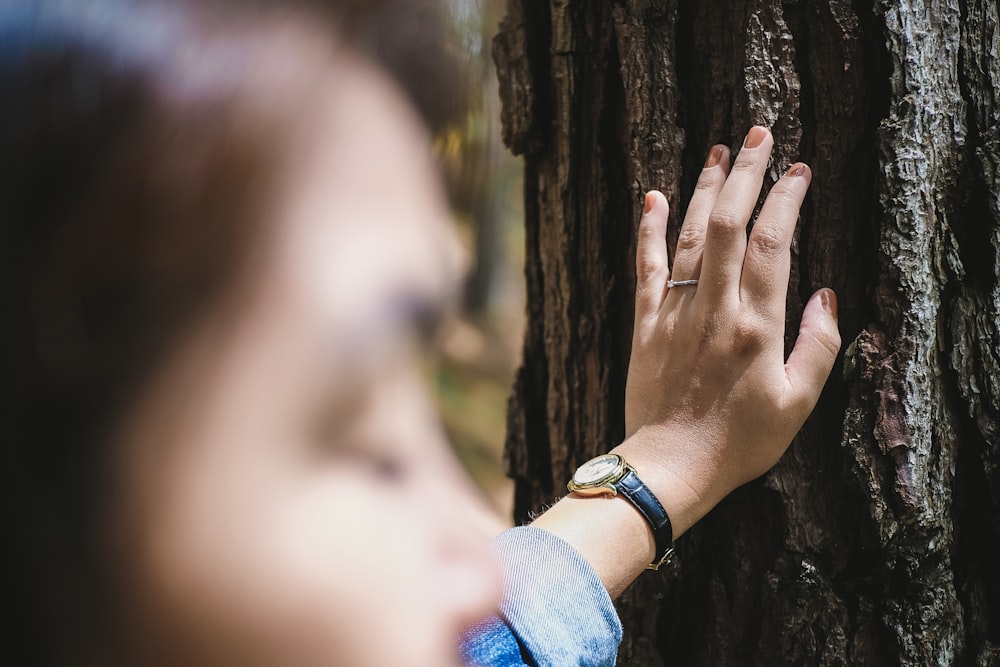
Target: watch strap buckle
[666,559]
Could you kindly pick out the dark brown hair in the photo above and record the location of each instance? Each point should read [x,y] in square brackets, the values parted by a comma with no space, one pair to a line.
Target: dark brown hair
[129,185]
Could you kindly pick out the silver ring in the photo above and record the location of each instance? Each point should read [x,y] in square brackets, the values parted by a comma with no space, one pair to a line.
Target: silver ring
[681,283]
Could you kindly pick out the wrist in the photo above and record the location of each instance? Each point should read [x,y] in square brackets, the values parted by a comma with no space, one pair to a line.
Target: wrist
[688,486]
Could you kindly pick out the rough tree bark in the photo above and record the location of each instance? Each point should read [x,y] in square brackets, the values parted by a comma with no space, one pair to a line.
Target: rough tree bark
[876,539]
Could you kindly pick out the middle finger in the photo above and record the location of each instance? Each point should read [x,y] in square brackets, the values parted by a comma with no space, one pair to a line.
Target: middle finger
[725,234]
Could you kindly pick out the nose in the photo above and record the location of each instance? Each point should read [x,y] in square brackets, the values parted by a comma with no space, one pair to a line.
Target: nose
[458,518]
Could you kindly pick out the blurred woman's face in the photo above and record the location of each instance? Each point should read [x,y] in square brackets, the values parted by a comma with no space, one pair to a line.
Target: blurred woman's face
[290,498]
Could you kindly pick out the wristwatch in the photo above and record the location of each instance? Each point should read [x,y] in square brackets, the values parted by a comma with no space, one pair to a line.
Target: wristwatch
[610,475]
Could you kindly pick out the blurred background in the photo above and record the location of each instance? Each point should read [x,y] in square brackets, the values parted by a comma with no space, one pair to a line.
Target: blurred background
[480,350]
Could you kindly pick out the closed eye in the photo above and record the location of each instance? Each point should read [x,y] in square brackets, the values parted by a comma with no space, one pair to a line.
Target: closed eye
[421,314]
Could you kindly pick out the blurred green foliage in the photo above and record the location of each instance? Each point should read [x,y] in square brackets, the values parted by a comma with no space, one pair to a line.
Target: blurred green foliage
[480,350]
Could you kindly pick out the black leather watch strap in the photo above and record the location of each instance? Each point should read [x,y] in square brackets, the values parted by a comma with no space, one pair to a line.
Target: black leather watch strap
[637,493]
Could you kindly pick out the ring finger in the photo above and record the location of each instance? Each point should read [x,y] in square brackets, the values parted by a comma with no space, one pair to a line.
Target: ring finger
[687,257]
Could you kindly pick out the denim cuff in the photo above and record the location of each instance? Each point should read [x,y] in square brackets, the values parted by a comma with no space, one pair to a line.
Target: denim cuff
[554,602]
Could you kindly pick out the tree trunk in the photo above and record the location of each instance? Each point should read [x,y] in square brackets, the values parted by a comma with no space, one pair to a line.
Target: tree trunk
[876,539]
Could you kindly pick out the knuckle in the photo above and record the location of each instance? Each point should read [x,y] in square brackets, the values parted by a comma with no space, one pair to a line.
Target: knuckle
[688,239]
[647,268]
[707,331]
[784,195]
[830,340]
[725,333]
[649,235]
[748,336]
[745,165]
[647,229]
[708,182]
[724,221]
[768,239]
[827,340]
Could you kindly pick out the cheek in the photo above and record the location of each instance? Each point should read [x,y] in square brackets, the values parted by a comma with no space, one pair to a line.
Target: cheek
[357,561]
[329,570]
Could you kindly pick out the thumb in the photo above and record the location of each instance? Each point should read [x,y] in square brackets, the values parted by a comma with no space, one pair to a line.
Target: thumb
[815,350]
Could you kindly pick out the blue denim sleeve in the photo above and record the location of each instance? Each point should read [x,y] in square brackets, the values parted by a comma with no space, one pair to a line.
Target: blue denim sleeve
[554,611]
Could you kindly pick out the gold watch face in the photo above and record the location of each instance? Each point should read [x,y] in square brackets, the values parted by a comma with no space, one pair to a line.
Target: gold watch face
[598,471]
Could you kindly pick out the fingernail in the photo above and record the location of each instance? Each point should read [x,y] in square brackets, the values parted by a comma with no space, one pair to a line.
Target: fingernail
[797,169]
[714,157]
[828,299]
[647,204]
[755,137]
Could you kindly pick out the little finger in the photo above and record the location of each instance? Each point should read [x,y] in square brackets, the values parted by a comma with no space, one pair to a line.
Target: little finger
[651,270]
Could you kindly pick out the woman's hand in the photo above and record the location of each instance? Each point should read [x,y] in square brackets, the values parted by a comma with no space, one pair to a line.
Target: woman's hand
[711,401]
